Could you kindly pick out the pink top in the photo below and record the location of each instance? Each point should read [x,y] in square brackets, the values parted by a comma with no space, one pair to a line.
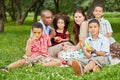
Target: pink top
[40,46]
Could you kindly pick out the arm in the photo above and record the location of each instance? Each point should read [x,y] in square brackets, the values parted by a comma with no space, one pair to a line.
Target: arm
[28,50]
[52,33]
[108,35]
[29,46]
[86,53]
[109,30]
[83,30]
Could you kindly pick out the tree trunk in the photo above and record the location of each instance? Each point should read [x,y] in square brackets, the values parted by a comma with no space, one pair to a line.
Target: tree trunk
[21,20]
[56,5]
[11,10]
[36,12]
[90,10]
[2,15]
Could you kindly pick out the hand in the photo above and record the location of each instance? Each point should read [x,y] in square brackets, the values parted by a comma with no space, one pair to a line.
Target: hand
[58,39]
[32,39]
[90,49]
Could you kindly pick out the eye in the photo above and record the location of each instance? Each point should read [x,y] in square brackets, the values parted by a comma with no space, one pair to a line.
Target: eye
[34,32]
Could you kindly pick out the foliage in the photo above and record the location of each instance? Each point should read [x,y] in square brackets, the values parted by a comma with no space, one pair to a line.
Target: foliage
[112,5]
[12,48]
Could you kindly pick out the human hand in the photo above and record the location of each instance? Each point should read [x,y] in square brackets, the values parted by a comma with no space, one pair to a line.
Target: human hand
[33,38]
[90,49]
[58,39]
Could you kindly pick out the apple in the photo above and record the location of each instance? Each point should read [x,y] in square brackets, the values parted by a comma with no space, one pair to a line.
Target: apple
[64,62]
[57,39]
[62,44]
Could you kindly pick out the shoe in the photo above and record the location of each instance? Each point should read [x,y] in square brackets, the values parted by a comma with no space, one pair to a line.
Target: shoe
[31,64]
[96,68]
[77,68]
[4,69]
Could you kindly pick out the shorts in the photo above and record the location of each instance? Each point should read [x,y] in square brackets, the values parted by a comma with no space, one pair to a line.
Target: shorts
[99,60]
[39,59]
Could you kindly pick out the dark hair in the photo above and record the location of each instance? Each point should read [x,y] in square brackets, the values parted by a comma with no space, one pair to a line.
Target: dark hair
[63,17]
[37,25]
[98,5]
[94,21]
[44,11]
[76,27]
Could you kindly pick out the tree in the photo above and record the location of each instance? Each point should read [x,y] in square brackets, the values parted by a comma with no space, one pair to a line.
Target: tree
[21,18]
[90,10]
[56,2]
[2,15]
[37,9]
[10,8]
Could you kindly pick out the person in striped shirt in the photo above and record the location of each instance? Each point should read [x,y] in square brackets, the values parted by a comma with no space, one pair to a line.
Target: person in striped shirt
[97,55]
[106,30]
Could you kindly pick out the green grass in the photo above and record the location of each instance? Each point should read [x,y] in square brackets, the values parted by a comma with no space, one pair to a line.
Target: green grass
[12,48]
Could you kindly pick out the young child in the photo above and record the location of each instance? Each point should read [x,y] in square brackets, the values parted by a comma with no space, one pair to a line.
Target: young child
[106,30]
[36,50]
[60,32]
[97,55]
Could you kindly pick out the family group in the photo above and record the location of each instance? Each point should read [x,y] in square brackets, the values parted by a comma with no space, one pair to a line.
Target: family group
[92,48]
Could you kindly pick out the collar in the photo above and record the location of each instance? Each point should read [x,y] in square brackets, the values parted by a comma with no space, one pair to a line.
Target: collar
[99,37]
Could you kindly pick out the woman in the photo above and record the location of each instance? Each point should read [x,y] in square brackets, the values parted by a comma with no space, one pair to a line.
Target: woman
[80,25]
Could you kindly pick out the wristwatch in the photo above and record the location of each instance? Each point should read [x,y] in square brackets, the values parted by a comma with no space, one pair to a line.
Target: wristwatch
[93,51]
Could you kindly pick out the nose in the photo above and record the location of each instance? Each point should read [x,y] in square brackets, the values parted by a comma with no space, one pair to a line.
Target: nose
[51,18]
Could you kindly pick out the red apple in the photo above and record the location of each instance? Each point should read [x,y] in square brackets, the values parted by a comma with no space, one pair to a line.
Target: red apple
[64,62]
[57,39]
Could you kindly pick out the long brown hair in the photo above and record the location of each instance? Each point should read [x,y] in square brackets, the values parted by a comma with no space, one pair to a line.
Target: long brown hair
[76,27]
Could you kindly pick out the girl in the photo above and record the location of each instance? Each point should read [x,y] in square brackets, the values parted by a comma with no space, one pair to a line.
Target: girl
[80,31]
[60,32]
[106,30]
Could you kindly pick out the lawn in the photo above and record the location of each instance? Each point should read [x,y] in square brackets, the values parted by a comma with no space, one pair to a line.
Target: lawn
[12,48]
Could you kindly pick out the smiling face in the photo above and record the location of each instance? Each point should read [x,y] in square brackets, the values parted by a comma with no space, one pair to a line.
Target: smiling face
[61,24]
[98,12]
[93,28]
[79,18]
[37,32]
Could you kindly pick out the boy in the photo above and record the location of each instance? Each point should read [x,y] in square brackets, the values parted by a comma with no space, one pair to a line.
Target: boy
[106,30]
[97,55]
[36,50]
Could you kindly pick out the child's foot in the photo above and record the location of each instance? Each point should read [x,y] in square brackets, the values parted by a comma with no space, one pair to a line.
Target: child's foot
[77,68]
[4,69]
[31,64]
[96,68]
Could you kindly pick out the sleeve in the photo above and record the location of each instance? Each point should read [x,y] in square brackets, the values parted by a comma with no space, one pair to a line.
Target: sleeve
[108,27]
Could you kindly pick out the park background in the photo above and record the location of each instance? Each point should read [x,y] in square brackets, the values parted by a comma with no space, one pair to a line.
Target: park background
[16,19]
